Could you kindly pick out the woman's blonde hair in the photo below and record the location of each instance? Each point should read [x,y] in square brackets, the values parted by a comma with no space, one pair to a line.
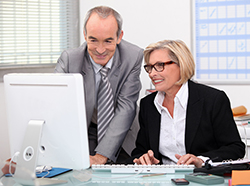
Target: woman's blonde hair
[179,53]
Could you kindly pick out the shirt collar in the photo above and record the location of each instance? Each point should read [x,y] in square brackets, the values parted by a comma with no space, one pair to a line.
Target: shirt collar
[182,96]
[97,67]
[159,100]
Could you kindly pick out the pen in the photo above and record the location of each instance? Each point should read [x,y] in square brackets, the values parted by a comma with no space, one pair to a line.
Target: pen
[149,175]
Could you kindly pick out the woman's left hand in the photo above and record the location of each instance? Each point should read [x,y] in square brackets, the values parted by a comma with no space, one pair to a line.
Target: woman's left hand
[188,159]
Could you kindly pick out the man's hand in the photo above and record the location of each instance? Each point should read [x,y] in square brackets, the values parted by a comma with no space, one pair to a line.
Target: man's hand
[147,159]
[98,159]
[189,159]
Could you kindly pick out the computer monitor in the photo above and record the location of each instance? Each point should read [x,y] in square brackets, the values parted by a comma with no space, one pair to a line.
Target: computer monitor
[51,106]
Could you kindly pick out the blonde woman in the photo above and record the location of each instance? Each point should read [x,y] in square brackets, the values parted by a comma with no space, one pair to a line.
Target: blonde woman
[183,122]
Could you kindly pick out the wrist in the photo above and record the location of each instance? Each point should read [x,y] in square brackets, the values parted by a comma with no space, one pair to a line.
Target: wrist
[102,159]
[199,165]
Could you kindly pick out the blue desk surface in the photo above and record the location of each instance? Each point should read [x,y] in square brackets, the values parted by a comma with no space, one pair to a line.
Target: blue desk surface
[89,177]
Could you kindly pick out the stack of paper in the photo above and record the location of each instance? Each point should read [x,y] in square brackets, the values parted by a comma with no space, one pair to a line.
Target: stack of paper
[241,120]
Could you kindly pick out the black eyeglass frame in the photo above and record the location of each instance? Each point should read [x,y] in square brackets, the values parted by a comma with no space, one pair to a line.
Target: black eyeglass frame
[153,66]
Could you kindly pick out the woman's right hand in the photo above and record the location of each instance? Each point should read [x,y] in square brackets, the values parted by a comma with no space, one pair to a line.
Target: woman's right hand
[147,159]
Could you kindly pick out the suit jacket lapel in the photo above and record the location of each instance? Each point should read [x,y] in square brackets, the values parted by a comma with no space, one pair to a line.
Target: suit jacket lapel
[89,86]
[115,72]
[194,111]
[155,133]
[154,124]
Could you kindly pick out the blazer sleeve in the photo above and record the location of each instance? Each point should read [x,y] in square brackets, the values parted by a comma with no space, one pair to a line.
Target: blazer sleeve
[217,136]
[71,60]
[142,140]
[62,63]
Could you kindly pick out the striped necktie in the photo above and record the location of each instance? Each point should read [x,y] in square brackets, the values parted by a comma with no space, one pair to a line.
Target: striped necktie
[105,108]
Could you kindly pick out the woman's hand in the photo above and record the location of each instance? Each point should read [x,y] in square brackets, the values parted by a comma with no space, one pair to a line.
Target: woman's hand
[188,159]
[147,159]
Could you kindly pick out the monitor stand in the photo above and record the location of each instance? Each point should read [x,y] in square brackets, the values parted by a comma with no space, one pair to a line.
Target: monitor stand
[27,160]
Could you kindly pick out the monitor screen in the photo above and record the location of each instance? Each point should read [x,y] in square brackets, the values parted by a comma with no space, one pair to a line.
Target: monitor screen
[57,100]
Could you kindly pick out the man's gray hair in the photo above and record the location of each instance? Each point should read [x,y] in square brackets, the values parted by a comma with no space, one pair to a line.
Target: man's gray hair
[104,12]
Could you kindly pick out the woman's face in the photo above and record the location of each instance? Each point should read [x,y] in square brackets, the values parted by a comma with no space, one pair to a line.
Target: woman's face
[165,80]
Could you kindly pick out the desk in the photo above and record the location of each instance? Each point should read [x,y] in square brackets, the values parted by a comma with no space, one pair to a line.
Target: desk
[75,178]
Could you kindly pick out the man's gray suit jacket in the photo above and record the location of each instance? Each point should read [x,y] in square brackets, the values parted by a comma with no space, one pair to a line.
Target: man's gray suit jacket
[124,77]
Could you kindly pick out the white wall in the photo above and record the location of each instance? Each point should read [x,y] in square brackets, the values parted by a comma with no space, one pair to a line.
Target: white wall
[238,94]
[145,21]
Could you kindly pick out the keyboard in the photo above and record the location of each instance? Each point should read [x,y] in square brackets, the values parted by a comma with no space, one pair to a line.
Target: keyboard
[143,168]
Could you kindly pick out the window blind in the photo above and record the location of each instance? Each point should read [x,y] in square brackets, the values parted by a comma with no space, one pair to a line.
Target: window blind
[37,31]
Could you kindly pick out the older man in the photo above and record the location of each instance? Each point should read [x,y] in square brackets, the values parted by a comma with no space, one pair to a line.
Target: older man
[105,49]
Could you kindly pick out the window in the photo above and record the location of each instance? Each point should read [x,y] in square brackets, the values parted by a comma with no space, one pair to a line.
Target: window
[35,32]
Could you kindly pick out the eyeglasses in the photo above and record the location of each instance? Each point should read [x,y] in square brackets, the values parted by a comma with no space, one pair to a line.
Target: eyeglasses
[159,67]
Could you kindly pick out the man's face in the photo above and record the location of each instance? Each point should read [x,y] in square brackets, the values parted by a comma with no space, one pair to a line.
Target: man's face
[102,38]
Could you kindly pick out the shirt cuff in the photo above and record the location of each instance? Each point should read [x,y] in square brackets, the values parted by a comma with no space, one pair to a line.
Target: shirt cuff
[204,159]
